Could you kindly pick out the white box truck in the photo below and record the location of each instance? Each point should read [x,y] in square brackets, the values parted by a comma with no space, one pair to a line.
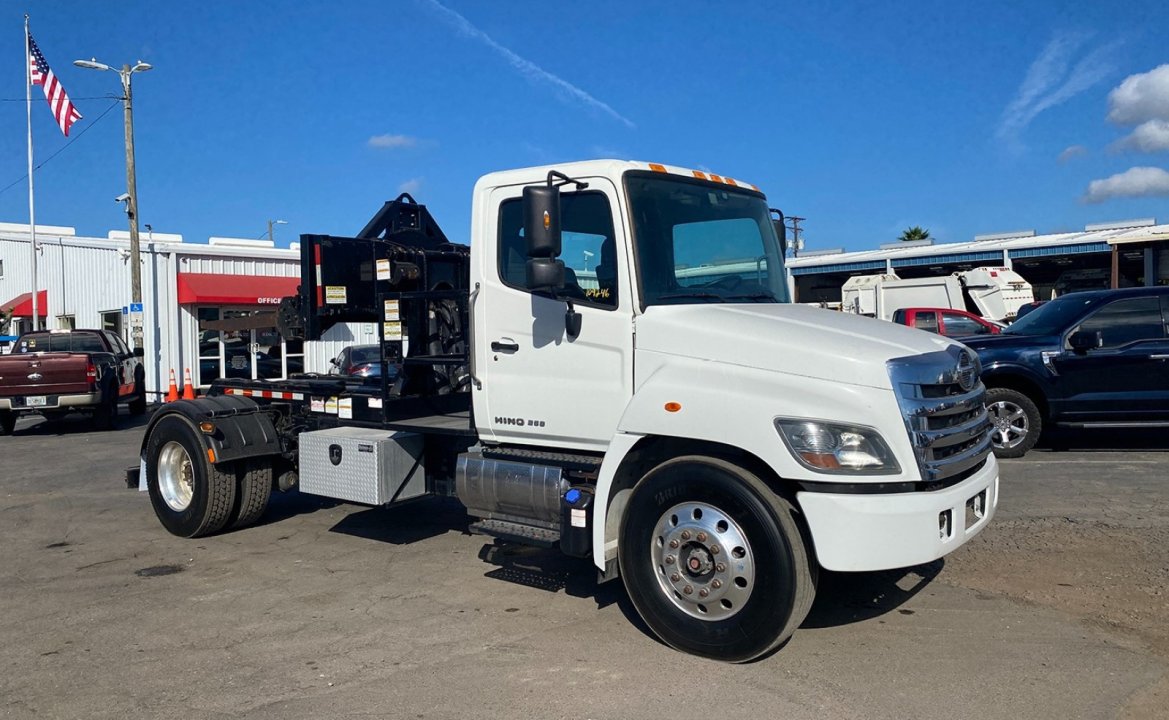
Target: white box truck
[575,383]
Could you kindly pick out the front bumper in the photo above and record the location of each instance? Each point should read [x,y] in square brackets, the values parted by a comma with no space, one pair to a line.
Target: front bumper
[863,532]
[52,402]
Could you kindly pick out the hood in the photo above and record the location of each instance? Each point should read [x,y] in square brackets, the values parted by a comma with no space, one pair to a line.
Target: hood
[992,343]
[794,339]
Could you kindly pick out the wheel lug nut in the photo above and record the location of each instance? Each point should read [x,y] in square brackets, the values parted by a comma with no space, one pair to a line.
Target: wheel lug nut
[716,584]
[669,559]
[674,543]
[703,592]
[721,567]
[688,590]
[714,549]
[685,534]
[701,537]
[675,577]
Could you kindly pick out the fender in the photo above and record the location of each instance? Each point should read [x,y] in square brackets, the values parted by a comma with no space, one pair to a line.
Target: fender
[241,429]
[735,406]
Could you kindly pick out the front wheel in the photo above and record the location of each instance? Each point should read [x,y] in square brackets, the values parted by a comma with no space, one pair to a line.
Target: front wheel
[714,561]
[190,496]
[1016,422]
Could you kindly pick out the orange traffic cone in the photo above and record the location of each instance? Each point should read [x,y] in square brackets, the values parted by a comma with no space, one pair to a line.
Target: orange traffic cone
[188,387]
[173,393]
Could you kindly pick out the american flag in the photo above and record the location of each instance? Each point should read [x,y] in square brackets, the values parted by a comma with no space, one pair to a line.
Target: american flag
[41,74]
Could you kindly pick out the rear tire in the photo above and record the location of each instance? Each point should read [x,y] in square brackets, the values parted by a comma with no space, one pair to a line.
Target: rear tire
[105,415]
[1016,422]
[7,422]
[738,549]
[190,496]
[255,487]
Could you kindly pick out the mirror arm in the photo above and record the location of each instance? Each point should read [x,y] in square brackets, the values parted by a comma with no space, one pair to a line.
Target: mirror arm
[564,180]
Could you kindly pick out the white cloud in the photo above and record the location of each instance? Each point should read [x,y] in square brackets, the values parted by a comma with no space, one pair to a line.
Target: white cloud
[1150,136]
[411,186]
[525,67]
[1049,82]
[1134,182]
[1141,97]
[389,142]
[1071,152]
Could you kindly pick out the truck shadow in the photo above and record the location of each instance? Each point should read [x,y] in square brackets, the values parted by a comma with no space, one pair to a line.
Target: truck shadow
[846,598]
[74,424]
[1103,440]
[402,524]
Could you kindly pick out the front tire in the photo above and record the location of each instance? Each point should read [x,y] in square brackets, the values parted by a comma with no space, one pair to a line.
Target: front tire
[137,405]
[190,495]
[714,561]
[1016,420]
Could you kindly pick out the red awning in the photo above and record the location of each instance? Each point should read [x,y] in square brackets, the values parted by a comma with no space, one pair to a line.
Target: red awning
[209,289]
[21,305]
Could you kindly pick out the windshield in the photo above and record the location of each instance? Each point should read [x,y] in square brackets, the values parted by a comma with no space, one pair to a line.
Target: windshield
[699,243]
[1052,318]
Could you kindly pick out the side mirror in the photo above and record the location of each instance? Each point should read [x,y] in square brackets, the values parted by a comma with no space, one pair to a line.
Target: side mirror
[139,352]
[780,225]
[335,362]
[542,221]
[1083,341]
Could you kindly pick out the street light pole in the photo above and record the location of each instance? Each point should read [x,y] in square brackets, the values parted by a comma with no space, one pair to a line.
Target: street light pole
[131,180]
[271,235]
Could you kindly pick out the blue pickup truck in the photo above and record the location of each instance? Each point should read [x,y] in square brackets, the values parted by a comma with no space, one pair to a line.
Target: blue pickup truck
[1088,359]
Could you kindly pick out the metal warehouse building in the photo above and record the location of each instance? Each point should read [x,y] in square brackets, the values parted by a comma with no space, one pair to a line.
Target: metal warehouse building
[85,283]
[1120,254]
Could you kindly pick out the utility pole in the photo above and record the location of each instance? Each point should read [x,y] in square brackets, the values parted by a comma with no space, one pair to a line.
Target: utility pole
[272,235]
[795,228]
[131,187]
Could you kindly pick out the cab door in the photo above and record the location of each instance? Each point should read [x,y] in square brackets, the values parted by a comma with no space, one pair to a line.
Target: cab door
[1127,378]
[538,385]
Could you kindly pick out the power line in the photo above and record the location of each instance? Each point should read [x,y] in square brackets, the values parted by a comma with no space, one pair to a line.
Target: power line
[63,147]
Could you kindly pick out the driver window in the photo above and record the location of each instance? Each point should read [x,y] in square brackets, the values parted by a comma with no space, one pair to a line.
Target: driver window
[1126,321]
[588,247]
[927,321]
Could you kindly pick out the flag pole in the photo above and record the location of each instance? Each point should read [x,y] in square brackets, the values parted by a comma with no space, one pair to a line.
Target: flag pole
[32,224]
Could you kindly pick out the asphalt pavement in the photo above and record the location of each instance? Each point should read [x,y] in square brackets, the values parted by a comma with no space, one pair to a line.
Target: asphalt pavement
[332,610]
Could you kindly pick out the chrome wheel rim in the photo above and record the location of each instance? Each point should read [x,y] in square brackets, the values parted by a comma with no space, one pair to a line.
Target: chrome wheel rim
[175,477]
[1010,424]
[703,561]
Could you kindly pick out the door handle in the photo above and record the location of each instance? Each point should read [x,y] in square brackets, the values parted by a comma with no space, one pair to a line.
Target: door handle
[497,346]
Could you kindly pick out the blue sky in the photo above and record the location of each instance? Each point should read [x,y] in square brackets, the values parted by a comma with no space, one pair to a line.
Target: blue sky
[863,118]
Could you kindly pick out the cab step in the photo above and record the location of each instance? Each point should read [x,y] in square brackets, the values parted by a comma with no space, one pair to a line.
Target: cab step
[516,532]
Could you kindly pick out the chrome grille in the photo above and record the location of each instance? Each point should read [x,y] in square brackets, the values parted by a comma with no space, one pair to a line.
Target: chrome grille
[942,402]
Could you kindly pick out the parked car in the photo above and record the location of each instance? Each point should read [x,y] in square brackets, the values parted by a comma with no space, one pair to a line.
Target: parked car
[361,361]
[946,321]
[1088,359]
[56,372]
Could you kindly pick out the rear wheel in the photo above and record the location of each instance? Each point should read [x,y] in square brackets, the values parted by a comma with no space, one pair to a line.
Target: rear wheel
[190,495]
[105,415]
[7,422]
[255,487]
[1016,422]
[714,561]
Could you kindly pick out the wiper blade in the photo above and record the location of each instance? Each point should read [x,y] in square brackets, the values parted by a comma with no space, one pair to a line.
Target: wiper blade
[754,296]
[701,295]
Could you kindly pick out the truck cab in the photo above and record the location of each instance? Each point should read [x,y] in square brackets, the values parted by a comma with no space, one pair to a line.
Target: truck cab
[626,380]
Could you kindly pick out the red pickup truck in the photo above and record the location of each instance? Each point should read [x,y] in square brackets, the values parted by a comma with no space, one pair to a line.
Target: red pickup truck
[56,372]
[946,321]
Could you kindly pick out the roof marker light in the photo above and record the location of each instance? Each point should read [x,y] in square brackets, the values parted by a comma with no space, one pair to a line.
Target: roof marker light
[715,178]
[698,175]
[657,168]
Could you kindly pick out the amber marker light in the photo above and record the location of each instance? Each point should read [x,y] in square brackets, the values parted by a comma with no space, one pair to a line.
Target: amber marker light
[547,220]
[657,168]
[211,455]
[673,407]
[207,427]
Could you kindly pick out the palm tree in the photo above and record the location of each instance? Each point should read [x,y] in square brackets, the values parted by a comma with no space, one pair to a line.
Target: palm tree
[914,234]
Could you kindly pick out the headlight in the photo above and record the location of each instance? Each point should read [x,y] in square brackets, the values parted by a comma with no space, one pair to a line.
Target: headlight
[837,448]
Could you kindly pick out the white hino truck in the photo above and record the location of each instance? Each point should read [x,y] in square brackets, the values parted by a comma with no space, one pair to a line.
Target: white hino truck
[612,367]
